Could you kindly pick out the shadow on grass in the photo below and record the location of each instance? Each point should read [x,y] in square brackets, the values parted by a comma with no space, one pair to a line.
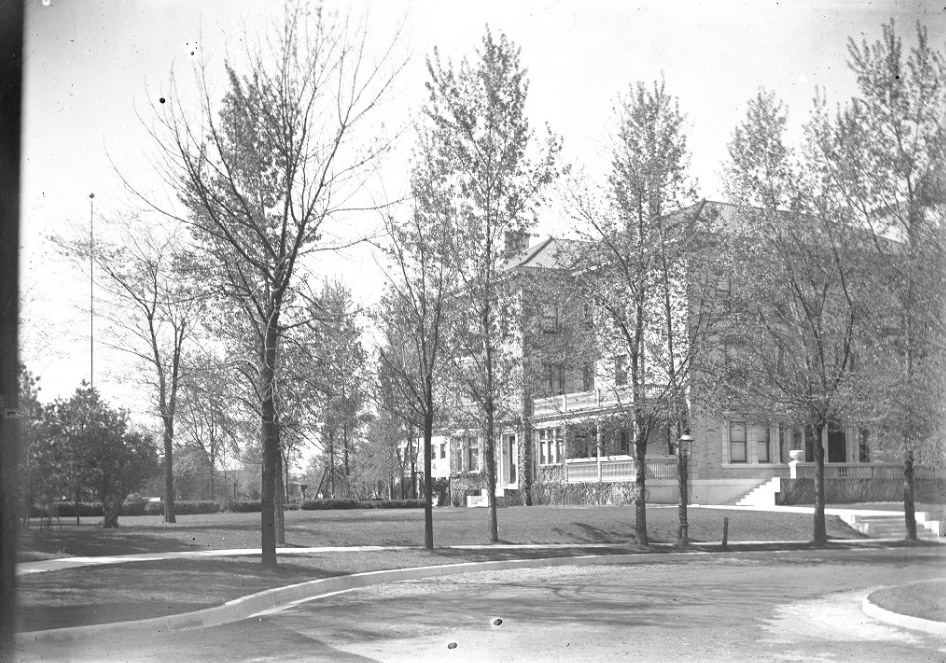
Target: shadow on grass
[95,541]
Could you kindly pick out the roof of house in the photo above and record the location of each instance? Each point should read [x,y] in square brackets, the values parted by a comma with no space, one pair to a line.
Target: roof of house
[550,253]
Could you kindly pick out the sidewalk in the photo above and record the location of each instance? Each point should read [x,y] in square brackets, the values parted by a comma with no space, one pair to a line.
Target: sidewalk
[282,598]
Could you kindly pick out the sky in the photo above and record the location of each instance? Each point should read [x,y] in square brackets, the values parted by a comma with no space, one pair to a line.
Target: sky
[95,70]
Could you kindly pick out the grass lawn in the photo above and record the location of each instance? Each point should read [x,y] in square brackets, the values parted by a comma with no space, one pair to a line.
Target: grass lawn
[405,527]
[925,600]
[148,589]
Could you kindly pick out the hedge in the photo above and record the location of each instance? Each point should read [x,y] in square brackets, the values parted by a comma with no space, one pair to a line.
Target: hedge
[135,508]
[181,508]
[319,505]
[245,507]
[849,491]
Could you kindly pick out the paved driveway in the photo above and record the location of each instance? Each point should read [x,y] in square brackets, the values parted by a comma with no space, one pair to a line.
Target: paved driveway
[794,606]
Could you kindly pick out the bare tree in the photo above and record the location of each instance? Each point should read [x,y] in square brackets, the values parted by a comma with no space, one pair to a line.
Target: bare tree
[883,158]
[486,158]
[265,171]
[154,312]
[642,271]
[413,316]
[798,289]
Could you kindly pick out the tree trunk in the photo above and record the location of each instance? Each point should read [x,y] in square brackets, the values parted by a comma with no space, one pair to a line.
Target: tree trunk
[820,531]
[412,451]
[280,492]
[428,486]
[525,457]
[909,507]
[270,443]
[331,464]
[640,487]
[78,492]
[345,459]
[169,516]
[111,510]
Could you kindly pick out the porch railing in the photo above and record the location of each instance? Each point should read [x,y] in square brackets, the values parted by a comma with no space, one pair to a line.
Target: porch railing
[800,470]
[581,401]
[616,468]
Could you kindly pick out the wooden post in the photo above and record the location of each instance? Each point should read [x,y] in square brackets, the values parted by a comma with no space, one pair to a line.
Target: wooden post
[725,533]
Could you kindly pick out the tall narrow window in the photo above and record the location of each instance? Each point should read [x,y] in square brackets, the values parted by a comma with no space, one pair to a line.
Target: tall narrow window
[587,377]
[737,442]
[863,445]
[512,454]
[555,379]
[620,370]
[473,454]
[763,444]
[550,320]
[625,441]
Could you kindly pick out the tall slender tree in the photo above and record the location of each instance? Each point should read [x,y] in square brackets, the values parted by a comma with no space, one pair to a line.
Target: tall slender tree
[494,172]
[265,171]
[638,270]
[153,312]
[800,284]
[883,157]
[414,314]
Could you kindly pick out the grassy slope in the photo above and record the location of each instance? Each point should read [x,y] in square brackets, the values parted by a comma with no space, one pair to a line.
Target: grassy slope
[149,589]
[406,527]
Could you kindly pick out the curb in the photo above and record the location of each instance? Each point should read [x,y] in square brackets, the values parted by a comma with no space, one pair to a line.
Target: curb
[873,610]
[277,599]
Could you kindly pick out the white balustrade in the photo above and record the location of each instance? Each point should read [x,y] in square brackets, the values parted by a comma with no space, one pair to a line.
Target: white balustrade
[617,468]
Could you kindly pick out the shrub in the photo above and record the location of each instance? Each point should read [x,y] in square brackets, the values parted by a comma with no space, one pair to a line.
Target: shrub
[68,509]
[245,507]
[326,504]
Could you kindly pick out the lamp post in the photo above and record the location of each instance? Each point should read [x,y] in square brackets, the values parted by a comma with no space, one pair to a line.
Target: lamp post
[91,297]
[683,454]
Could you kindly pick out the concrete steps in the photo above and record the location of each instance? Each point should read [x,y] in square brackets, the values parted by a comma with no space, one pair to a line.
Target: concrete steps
[890,526]
[763,495]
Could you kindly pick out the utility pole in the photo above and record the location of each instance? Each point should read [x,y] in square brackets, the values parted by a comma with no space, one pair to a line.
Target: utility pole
[91,296]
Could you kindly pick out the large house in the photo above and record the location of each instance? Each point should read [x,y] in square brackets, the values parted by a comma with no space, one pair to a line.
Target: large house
[567,435]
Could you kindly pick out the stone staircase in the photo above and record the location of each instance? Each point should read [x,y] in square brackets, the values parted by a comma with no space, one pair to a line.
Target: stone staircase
[875,524]
[763,495]
[890,525]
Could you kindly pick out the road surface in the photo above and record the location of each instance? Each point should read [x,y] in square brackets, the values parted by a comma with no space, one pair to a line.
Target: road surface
[791,606]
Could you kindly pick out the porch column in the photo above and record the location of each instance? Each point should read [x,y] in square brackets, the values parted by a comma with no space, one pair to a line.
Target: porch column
[564,448]
[599,448]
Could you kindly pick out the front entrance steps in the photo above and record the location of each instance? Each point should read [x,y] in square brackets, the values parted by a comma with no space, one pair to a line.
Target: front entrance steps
[763,495]
[875,524]
[890,525]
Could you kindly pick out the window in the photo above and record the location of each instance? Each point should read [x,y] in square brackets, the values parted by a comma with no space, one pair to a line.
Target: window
[512,455]
[724,291]
[763,445]
[625,441]
[863,445]
[555,379]
[620,370]
[587,377]
[550,321]
[457,447]
[550,446]
[472,454]
[737,442]
[443,450]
